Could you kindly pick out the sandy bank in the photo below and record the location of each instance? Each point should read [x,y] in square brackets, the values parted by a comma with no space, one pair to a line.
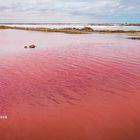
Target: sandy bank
[74,30]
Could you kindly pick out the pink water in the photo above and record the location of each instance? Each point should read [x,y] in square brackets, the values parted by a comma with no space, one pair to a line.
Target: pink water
[71,87]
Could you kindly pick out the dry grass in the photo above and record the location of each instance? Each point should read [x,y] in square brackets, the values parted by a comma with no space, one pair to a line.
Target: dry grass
[63,30]
[4,27]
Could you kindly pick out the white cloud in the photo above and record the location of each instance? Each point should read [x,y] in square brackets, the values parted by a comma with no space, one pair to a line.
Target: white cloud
[68,11]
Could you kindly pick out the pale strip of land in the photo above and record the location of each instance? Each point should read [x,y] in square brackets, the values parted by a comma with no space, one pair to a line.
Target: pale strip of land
[84,30]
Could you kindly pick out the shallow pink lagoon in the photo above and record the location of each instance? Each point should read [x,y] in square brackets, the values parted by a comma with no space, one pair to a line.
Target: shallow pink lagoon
[71,87]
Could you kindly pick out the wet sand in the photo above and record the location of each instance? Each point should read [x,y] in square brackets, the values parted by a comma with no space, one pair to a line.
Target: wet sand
[74,87]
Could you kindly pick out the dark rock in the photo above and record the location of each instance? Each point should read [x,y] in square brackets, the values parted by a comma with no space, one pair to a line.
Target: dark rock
[25,47]
[32,46]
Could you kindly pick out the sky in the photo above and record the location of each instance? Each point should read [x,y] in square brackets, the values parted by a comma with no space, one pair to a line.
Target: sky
[73,11]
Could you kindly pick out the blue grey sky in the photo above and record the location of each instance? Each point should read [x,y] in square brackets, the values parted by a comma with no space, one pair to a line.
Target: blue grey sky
[74,11]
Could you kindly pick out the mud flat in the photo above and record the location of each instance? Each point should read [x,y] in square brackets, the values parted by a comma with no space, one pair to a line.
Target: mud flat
[134,38]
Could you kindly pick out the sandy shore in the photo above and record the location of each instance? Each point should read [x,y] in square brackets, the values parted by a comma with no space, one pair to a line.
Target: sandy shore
[83,30]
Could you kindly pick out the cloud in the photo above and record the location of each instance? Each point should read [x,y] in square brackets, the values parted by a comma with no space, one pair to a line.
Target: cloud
[69,11]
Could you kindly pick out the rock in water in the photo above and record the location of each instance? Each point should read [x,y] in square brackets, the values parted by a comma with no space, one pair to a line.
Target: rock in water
[25,47]
[32,46]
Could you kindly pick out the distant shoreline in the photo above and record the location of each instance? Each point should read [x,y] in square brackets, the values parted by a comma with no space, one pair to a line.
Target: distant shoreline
[99,24]
[84,30]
